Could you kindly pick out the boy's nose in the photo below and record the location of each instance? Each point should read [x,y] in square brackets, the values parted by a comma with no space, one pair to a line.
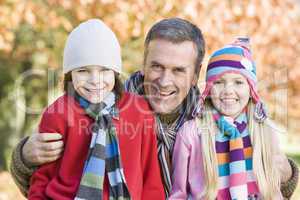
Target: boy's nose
[96,77]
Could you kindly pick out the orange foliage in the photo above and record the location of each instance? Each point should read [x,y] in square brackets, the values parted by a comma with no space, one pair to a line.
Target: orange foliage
[273,26]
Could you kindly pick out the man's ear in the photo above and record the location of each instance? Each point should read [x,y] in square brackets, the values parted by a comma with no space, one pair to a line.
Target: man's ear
[196,76]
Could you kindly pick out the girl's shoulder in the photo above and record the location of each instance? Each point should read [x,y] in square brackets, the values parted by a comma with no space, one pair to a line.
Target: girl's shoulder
[189,131]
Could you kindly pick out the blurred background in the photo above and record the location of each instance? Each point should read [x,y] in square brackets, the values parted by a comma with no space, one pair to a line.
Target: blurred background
[33,33]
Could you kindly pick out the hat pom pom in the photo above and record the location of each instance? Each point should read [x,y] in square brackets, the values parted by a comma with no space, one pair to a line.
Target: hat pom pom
[242,41]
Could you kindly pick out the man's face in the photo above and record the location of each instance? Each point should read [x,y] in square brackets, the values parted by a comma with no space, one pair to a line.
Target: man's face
[169,72]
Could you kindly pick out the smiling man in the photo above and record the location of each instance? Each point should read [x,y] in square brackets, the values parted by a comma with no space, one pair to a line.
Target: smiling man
[174,50]
[169,73]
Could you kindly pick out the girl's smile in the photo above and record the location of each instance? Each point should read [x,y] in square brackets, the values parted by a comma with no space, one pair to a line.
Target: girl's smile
[230,94]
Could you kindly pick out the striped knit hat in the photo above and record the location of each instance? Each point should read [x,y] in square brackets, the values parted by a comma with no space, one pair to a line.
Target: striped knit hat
[233,58]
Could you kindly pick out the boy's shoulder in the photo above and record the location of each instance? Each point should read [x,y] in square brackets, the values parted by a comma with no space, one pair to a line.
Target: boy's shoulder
[59,100]
[61,104]
[131,100]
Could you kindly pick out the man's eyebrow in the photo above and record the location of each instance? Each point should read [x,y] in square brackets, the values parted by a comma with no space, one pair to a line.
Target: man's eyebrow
[156,63]
[181,67]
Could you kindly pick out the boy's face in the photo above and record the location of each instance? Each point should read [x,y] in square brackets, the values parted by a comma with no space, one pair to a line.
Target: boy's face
[230,94]
[169,73]
[93,82]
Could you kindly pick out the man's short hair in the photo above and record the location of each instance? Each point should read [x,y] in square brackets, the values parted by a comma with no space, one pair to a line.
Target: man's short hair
[177,30]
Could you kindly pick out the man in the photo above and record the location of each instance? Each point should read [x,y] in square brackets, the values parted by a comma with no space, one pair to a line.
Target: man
[174,50]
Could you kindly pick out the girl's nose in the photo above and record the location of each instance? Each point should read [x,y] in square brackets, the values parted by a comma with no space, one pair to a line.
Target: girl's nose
[228,88]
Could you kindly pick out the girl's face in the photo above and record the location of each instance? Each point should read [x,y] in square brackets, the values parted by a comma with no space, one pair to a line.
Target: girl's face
[93,82]
[230,94]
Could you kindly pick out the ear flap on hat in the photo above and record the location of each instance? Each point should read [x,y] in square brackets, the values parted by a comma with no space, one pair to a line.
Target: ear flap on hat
[260,112]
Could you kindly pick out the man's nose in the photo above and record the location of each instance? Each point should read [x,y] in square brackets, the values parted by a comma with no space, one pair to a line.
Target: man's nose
[165,79]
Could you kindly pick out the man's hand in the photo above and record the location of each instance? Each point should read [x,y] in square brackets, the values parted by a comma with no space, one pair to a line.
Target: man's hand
[42,148]
[284,167]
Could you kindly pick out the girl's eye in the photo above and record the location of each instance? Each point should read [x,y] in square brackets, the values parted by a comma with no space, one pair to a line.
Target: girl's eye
[239,82]
[82,70]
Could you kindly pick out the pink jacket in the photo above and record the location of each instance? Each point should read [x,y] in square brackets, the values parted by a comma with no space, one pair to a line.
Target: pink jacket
[188,174]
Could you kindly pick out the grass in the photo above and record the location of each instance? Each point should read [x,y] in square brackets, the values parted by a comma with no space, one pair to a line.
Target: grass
[295,157]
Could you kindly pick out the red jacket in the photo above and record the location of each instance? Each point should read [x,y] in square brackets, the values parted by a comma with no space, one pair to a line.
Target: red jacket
[59,180]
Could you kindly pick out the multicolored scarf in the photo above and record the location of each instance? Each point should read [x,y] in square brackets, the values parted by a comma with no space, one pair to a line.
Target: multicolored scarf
[234,153]
[104,154]
[166,132]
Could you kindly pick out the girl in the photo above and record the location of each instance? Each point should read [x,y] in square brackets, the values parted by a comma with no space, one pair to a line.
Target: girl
[229,151]
[109,136]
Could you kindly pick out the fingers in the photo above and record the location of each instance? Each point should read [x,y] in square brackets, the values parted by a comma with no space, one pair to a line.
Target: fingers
[48,156]
[42,148]
[46,137]
[45,152]
[50,159]
[54,153]
[52,146]
[284,167]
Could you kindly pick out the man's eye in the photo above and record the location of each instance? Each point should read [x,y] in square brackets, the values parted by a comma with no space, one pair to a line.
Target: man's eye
[218,82]
[156,66]
[179,69]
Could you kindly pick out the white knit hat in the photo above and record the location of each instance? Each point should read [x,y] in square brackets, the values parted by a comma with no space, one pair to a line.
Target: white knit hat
[92,43]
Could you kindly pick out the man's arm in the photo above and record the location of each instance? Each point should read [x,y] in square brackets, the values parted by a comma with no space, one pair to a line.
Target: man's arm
[288,188]
[19,171]
[31,152]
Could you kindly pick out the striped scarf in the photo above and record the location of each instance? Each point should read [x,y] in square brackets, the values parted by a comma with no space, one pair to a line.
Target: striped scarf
[104,154]
[234,154]
[166,132]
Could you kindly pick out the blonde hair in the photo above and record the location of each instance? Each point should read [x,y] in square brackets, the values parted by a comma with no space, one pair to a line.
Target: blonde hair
[267,175]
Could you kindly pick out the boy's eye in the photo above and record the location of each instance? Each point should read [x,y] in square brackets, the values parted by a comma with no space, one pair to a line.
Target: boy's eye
[105,69]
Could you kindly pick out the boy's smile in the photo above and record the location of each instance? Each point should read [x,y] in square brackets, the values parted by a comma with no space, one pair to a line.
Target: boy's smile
[93,82]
